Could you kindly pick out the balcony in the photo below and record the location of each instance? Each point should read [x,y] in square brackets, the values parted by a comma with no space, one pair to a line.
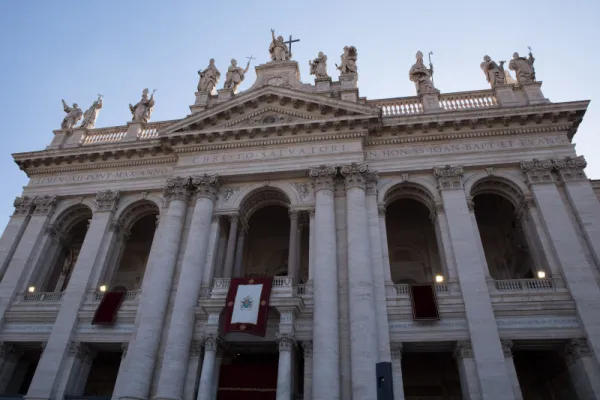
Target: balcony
[283,287]
[525,285]
[40,297]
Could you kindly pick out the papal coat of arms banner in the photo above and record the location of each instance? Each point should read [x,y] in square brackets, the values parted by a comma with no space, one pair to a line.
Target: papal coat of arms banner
[247,304]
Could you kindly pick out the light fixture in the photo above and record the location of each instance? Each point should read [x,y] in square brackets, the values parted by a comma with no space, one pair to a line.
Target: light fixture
[103,288]
[31,289]
[439,278]
[541,274]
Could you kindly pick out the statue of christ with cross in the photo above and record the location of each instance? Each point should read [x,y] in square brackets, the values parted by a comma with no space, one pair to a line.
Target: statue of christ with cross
[279,51]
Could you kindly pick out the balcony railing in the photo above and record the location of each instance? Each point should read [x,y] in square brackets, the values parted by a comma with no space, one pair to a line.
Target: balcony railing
[129,295]
[468,100]
[522,285]
[399,107]
[402,289]
[117,133]
[43,297]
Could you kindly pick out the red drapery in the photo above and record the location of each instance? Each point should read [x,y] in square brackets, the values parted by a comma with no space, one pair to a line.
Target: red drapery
[254,379]
[106,313]
[261,327]
[424,302]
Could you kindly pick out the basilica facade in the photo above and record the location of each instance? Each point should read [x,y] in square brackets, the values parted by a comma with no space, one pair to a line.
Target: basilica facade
[124,246]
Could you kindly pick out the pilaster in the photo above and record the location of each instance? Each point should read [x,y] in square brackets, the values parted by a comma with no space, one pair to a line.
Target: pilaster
[583,369]
[285,382]
[510,367]
[396,357]
[211,343]
[14,230]
[467,371]
[307,348]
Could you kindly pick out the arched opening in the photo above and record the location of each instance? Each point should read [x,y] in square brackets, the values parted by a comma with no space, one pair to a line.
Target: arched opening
[412,244]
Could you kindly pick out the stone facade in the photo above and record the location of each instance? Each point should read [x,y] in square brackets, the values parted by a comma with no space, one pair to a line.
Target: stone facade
[380,194]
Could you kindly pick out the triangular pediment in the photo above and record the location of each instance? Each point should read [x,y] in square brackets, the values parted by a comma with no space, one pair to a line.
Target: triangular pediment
[269,106]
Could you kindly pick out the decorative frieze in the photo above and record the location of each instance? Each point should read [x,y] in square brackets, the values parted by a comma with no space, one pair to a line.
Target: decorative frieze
[286,341]
[355,175]
[177,188]
[206,186]
[463,350]
[323,177]
[449,177]
[23,206]
[571,168]
[44,205]
[107,200]
[538,171]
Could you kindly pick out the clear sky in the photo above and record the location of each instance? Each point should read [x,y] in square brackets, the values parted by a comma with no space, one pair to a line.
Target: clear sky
[75,50]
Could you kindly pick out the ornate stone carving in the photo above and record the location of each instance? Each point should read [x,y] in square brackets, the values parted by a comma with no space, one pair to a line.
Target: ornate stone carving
[396,350]
[7,349]
[571,168]
[107,200]
[177,188]
[90,115]
[348,61]
[494,73]
[115,226]
[229,192]
[381,209]
[73,116]
[211,342]
[523,68]
[372,178]
[206,186]
[44,205]
[302,189]
[235,75]
[576,349]
[124,348]
[286,341]
[79,350]
[318,66]
[307,346]
[209,77]
[526,204]
[355,175]
[23,205]
[142,111]
[323,177]
[421,76]
[463,350]
[448,177]
[278,50]
[293,214]
[507,345]
[538,171]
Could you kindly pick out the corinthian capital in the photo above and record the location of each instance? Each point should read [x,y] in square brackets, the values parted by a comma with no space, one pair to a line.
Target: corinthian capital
[463,350]
[23,205]
[107,200]
[177,188]
[44,205]
[571,168]
[538,171]
[323,177]
[355,175]
[286,341]
[211,342]
[448,177]
[206,186]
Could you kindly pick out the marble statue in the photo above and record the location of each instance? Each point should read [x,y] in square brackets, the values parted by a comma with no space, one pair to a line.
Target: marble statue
[494,73]
[90,115]
[278,49]
[142,111]
[209,77]
[318,66]
[523,68]
[235,75]
[73,116]
[421,76]
[348,64]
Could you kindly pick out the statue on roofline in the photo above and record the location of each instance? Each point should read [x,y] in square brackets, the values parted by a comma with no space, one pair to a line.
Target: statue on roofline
[209,77]
[421,75]
[279,51]
[235,75]
[318,66]
[523,68]
[348,64]
[73,116]
[90,115]
[142,111]
[494,73]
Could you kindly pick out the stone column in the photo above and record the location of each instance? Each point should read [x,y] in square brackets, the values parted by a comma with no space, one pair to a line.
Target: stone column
[90,256]
[87,358]
[308,367]
[9,358]
[238,269]
[179,336]
[510,367]
[311,244]
[14,230]
[472,271]
[68,379]
[467,371]
[208,367]
[576,269]
[193,370]
[325,316]
[363,317]
[211,253]
[396,353]
[156,290]
[583,369]
[217,374]
[229,258]
[293,245]
[121,374]
[26,252]
[284,368]
[582,199]
[385,250]
[444,243]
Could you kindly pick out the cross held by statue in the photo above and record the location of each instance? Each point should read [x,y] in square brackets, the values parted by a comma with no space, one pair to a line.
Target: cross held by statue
[289,43]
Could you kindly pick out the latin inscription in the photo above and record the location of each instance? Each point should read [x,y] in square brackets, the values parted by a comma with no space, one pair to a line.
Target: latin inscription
[416,151]
[100,176]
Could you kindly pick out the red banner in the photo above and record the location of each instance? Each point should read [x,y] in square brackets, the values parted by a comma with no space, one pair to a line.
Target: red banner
[106,313]
[244,302]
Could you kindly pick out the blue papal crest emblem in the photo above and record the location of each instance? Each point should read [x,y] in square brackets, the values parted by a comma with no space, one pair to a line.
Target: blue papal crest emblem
[246,303]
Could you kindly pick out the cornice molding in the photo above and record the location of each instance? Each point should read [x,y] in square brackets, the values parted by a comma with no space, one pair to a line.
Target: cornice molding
[86,167]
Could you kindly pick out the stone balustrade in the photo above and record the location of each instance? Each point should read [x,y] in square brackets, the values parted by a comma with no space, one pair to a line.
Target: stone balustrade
[468,100]
[399,107]
[129,295]
[42,297]
[524,285]
[402,289]
[117,133]
[283,286]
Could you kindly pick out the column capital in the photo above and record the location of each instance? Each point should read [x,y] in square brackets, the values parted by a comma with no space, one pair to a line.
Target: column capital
[44,205]
[124,348]
[211,342]
[355,175]
[107,200]
[449,177]
[537,171]
[286,341]
[507,346]
[23,205]
[293,214]
[233,217]
[436,210]
[307,347]
[571,168]
[311,213]
[463,350]
[206,186]
[79,350]
[323,177]
[176,189]
[381,209]
[7,349]
[524,207]
[372,179]
[575,349]
[396,350]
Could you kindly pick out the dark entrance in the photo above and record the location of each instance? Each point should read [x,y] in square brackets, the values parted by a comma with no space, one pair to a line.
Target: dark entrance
[248,377]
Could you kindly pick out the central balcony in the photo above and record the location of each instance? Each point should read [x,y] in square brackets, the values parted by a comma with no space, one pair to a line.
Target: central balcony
[283,287]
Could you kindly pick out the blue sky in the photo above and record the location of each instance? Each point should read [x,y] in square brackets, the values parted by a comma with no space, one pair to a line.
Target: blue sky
[75,50]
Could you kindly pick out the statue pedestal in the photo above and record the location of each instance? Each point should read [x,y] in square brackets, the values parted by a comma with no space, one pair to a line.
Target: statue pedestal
[279,73]
[75,138]
[201,102]
[60,136]
[506,97]
[431,102]
[323,84]
[533,93]
[134,130]
[349,81]
[224,95]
